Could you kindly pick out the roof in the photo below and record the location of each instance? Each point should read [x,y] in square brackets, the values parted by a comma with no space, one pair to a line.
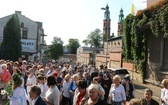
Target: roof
[115,38]
[90,48]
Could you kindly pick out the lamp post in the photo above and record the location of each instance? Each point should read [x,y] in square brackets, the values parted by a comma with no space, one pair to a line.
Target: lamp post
[107,49]
[107,17]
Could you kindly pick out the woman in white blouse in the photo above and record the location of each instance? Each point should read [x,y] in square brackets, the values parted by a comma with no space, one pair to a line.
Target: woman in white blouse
[52,96]
[117,93]
[42,85]
[31,81]
[164,92]
[18,96]
[66,94]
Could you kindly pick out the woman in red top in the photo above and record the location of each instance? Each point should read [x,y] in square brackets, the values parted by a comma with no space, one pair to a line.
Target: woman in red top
[81,95]
[5,76]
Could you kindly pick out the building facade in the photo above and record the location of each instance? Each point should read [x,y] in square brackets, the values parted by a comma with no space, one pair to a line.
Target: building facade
[32,36]
[86,55]
[151,2]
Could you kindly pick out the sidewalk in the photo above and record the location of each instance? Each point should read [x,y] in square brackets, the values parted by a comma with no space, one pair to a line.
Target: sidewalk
[156,89]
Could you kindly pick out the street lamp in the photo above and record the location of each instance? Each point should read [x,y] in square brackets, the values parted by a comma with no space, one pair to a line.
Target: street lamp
[107,49]
[107,17]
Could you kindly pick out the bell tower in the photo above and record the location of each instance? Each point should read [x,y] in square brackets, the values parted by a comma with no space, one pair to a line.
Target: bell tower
[120,23]
[106,24]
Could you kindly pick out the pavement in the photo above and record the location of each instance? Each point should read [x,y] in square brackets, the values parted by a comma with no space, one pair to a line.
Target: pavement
[140,87]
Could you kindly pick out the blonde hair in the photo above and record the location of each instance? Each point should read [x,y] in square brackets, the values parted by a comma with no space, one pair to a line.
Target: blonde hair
[67,77]
[75,76]
[117,77]
[93,86]
[134,101]
[165,82]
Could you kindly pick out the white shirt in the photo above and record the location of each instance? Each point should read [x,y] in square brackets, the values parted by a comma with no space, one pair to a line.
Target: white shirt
[18,97]
[50,72]
[53,95]
[31,80]
[65,89]
[164,96]
[44,89]
[117,94]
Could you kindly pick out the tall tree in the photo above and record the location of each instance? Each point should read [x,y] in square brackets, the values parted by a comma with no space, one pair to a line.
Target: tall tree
[11,46]
[94,39]
[56,48]
[73,45]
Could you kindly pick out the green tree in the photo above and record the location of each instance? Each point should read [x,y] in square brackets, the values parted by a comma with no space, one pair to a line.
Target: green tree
[73,45]
[128,38]
[56,48]
[94,39]
[11,46]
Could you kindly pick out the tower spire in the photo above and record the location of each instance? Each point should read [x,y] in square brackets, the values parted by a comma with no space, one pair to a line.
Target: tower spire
[121,16]
[120,22]
[107,13]
[106,23]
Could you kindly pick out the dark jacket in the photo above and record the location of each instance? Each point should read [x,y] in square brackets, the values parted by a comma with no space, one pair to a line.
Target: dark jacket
[40,101]
[152,102]
[100,102]
[131,89]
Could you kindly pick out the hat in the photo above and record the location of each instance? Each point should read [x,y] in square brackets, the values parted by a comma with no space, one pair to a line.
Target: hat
[127,78]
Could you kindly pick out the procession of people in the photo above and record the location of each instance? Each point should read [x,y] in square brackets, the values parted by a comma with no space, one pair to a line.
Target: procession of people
[70,83]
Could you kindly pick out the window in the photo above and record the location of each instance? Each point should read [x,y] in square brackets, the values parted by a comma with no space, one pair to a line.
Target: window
[104,24]
[22,25]
[24,33]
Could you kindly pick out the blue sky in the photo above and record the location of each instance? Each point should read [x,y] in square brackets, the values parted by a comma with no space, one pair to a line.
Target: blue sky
[69,18]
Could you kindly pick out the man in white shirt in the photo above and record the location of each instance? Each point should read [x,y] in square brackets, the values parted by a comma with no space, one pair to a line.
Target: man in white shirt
[51,71]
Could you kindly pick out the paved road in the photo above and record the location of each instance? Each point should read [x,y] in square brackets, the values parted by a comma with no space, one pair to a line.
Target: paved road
[140,95]
[141,87]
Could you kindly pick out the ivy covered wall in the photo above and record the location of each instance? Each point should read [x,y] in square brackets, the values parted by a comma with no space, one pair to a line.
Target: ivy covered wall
[155,19]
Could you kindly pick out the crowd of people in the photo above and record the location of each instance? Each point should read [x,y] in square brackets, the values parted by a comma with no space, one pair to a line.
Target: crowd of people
[61,83]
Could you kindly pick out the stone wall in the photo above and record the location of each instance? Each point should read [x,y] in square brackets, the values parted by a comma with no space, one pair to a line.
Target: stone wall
[83,58]
[153,57]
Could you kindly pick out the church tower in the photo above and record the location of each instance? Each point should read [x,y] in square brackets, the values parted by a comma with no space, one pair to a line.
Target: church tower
[106,24]
[120,23]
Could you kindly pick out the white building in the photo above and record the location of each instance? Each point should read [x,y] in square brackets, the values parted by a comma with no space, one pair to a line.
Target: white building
[32,36]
